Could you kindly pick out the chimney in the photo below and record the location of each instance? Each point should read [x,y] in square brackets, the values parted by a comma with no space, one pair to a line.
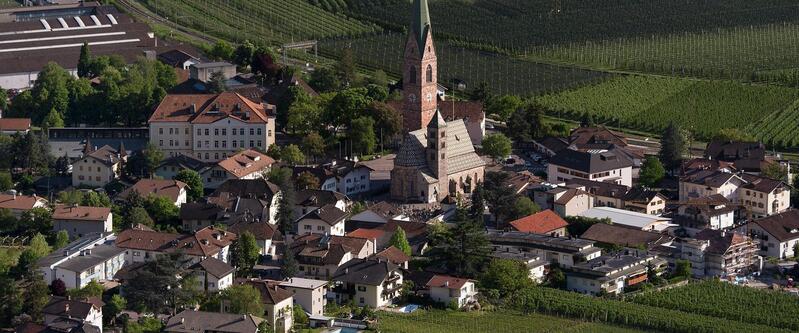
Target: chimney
[182,320]
[193,108]
[446,284]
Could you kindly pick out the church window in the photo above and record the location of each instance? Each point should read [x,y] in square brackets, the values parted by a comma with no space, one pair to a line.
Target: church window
[442,156]
[412,75]
[429,73]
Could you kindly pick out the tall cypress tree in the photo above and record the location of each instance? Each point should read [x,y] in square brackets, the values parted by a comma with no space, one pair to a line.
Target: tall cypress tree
[84,62]
[672,146]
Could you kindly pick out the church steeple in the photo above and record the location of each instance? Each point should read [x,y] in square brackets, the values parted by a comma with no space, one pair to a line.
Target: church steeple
[421,22]
[420,71]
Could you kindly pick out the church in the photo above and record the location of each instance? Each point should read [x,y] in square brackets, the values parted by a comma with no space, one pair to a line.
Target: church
[437,157]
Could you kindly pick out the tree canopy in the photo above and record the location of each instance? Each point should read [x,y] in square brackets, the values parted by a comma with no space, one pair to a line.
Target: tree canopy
[497,145]
[652,172]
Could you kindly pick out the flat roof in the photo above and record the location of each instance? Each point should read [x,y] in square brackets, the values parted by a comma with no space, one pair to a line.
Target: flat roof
[625,217]
[303,283]
[97,255]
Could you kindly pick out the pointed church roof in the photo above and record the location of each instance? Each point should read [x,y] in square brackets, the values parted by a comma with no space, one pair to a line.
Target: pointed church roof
[421,22]
[87,148]
[437,121]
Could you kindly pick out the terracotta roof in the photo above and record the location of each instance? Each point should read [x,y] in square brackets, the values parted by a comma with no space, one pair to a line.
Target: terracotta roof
[316,246]
[540,223]
[317,198]
[215,267]
[261,230]
[106,154]
[596,137]
[15,124]
[209,108]
[367,233]
[246,163]
[619,235]
[271,292]
[783,226]
[569,195]
[471,112]
[82,213]
[445,281]
[393,255]
[63,307]
[205,242]
[762,184]
[721,242]
[18,202]
[160,187]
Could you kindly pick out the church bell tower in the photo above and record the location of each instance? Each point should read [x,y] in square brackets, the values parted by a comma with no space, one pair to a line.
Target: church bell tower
[420,71]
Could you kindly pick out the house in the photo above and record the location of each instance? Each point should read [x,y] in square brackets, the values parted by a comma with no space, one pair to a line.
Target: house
[624,237]
[211,127]
[604,194]
[347,177]
[714,253]
[18,204]
[308,293]
[549,146]
[749,157]
[267,236]
[368,282]
[326,220]
[308,200]
[247,164]
[319,256]
[628,218]
[174,190]
[524,182]
[87,311]
[536,266]
[610,165]
[644,200]
[451,290]
[611,274]
[179,59]
[705,183]
[98,167]
[72,142]
[376,215]
[81,220]
[565,201]
[764,196]
[144,245]
[190,321]
[170,167]
[415,232]
[213,274]
[778,234]
[204,71]
[546,222]
[278,304]
[11,126]
[257,197]
[394,256]
[596,137]
[565,252]
[89,258]
[712,212]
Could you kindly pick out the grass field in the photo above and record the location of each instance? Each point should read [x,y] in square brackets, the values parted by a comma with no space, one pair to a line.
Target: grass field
[504,74]
[650,103]
[486,322]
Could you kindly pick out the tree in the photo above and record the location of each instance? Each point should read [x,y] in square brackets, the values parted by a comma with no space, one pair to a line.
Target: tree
[94,199]
[524,207]
[379,78]
[144,325]
[775,171]
[477,209]
[285,208]
[243,299]
[50,92]
[3,99]
[5,182]
[280,176]
[61,240]
[114,307]
[304,116]
[246,253]
[400,241]
[497,145]
[221,51]
[652,172]
[345,106]
[216,83]
[91,289]
[672,146]
[162,210]
[362,134]
[38,246]
[306,180]
[503,107]
[300,317]
[195,182]
[244,54]
[480,93]
[377,93]
[289,267]
[36,297]
[53,119]
[500,197]
[579,224]
[556,278]
[314,144]
[263,61]
[136,216]
[345,68]
[462,249]
[292,155]
[682,269]
[388,120]
[505,275]
[58,288]
[156,287]
[152,157]
[733,135]
[324,79]
[84,61]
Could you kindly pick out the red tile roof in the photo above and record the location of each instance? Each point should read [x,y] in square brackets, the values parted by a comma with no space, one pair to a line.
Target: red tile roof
[445,281]
[393,255]
[246,162]
[160,187]
[367,233]
[15,124]
[540,223]
[205,242]
[82,213]
[209,108]
[18,202]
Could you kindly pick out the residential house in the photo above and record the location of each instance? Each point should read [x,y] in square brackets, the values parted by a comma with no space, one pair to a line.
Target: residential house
[550,146]
[394,256]
[644,200]
[536,266]
[546,222]
[713,253]
[368,282]
[278,304]
[259,197]
[18,204]
[596,137]
[524,183]
[705,183]
[145,245]
[170,167]
[308,200]
[612,235]
[89,258]
[11,126]
[326,220]
[308,293]
[247,164]
[87,311]
[205,70]
[213,274]
[449,289]
[98,167]
[565,201]
[565,252]
[190,321]
[778,234]
[267,236]
[611,274]
[764,196]
[73,142]
[604,194]
[628,218]
[376,215]
[712,212]
[211,127]
[605,165]
[82,220]
[174,190]
[749,157]
[319,256]
[348,177]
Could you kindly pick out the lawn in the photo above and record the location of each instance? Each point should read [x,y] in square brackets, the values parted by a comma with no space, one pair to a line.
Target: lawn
[438,321]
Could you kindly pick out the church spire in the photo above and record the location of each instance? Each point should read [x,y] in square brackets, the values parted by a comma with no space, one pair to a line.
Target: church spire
[421,22]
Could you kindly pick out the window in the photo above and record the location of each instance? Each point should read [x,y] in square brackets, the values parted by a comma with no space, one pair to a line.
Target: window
[186,131]
[199,132]
[207,132]
[235,143]
[216,156]
[241,143]
[252,143]
[136,254]
[259,143]
[412,74]
[259,131]
[161,143]
[224,143]
[269,132]
[224,131]
[307,227]
[170,130]
[206,156]
[160,131]
[429,73]
[207,144]
[252,131]
[320,228]
[361,288]
[216,131]
[216,144]
[187,143]
[361,300]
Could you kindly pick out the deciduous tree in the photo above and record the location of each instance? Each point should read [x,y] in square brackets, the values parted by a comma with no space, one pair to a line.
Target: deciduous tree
[400,241]
[243,299]
[362,134]
[195,182]
[497,145]
[652,172]
[246,253]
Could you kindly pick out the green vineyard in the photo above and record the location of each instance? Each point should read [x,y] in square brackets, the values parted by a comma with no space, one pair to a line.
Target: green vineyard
[504,74]
[650,103]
